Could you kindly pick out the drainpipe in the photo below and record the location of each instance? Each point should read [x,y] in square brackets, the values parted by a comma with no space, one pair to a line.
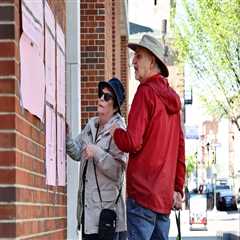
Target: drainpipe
[73,108]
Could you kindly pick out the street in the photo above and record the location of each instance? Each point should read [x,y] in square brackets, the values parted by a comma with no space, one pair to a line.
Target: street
[220,225]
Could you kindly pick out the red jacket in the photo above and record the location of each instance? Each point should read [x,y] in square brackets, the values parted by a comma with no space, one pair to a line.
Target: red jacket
[155,141]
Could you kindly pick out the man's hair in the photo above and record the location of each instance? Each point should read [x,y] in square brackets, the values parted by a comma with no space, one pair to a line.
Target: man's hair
[158,65]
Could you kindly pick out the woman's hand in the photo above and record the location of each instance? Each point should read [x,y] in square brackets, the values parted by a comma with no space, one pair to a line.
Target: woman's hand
[67,129]
[89,151]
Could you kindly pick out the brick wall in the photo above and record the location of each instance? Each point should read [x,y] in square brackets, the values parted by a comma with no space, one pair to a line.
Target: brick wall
[116,43]
[100,49]
[28,208]
[124,68]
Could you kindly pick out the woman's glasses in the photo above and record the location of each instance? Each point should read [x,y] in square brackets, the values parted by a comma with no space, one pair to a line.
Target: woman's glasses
[106,96]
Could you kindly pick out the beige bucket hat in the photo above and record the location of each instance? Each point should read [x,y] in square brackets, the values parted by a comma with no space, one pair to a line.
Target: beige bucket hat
[154,46]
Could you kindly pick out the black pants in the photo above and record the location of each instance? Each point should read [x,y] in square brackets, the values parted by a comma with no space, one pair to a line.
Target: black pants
[90,236]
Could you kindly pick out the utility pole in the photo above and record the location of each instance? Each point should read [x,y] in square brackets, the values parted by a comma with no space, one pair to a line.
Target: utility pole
[196,157]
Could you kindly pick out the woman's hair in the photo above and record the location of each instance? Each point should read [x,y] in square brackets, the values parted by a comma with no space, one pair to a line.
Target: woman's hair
[115,103]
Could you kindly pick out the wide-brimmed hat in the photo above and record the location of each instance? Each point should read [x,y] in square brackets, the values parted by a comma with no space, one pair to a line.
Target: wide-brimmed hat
[117,88]
[154,46]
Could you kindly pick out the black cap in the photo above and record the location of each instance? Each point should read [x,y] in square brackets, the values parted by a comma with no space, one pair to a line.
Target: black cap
[117,88]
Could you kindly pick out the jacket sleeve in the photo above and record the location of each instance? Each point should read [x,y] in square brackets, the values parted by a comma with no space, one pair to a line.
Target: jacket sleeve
[74,147]
[131,140]
[110,163]
[181,168]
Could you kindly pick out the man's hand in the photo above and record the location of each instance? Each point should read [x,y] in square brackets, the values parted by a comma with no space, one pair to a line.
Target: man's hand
[113,129]
[177,200]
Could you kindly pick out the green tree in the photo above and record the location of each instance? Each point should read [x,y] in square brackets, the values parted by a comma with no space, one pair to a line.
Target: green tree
[190,165]
[208,38]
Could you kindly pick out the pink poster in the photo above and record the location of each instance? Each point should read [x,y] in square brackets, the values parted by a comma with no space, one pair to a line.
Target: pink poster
[60,71]
[50,56]
[50,146]
[32,21]
[61,151]
[32,77]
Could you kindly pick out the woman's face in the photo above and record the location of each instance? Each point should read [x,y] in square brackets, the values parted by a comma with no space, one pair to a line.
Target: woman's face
[105,104]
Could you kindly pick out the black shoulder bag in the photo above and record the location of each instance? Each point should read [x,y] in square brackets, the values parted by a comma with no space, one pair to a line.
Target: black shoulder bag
[108,217]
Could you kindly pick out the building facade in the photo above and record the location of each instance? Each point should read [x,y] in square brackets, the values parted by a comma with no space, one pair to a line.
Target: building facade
[29,207]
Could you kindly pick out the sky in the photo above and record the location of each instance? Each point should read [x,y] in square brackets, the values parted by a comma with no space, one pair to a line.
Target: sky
[145,13]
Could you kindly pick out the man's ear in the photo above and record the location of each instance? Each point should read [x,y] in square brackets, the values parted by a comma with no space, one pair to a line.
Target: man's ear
[153,61]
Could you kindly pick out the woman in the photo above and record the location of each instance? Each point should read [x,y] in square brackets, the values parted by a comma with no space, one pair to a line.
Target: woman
[102,164]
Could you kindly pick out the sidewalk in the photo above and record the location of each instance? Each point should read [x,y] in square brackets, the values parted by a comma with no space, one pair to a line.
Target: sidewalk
[219,224]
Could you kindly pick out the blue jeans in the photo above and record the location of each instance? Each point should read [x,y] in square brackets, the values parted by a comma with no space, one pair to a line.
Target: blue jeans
[144,224]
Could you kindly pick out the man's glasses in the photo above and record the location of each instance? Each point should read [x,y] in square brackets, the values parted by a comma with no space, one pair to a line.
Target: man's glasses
[106,96]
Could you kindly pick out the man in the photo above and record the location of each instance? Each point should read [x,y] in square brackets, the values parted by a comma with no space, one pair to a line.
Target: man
[155,141]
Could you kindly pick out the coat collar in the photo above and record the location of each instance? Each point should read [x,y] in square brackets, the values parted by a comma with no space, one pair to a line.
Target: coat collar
[94,122]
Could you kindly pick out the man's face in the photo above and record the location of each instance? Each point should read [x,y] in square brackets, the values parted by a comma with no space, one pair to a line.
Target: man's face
[142,62]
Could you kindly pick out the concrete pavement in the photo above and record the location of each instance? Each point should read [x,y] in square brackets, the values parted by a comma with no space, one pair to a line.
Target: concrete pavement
[221,225]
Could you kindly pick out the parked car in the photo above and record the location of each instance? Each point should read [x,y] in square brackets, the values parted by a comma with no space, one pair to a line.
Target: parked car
[238,198]
[225,199]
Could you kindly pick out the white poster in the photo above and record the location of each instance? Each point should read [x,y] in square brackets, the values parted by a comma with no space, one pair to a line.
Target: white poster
[50,56]
[60,71]
[32,77]
[61,151]
[50,135]
[32,21]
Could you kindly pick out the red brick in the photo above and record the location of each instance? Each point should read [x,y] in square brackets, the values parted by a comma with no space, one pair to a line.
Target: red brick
[7,211]
[28,211]
[29,228]
[7,31]
[30,163]
[7,121]
[7,194]
[7,68]
[26,129]
[7,104]
[28,146]
[7,49]
[50,236]
[7,86]
[7,158]
[7,140]
[8,230]
[8,1]
[26,178]
[7,176]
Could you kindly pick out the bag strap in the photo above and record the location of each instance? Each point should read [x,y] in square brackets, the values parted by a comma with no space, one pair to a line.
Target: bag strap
[178,221]
[95,172]
[99,192]
[94,165]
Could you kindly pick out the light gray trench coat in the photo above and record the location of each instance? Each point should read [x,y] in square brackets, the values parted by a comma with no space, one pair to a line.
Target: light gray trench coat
[110,169]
